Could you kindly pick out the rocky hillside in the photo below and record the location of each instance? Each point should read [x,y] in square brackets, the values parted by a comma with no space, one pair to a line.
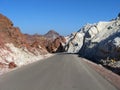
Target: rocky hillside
[17,49]
[99,42]
[57,45]
[55,42]
[51,41]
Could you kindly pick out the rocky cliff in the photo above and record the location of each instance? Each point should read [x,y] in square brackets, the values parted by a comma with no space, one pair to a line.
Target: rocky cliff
[57,45]
[97,41]
[17,49]
[51,41]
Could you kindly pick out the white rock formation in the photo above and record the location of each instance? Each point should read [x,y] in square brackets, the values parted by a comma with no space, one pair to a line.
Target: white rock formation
[20,56]
[96,41]
[75,42]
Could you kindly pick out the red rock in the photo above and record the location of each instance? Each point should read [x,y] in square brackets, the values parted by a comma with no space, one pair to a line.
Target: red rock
[51,41]
[11,34]
[56,45]
[36,44]
[12,65]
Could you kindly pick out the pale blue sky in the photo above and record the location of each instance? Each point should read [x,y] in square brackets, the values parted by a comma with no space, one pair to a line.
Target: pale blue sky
[64,16]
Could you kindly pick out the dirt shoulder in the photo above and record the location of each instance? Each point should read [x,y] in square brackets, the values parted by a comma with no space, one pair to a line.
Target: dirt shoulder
[107,74]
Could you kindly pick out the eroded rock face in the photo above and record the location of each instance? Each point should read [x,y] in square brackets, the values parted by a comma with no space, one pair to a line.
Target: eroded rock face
[96,41]
[75,42]
[51,41]
[57,45]
[5,23]
[15,48]
[36,40]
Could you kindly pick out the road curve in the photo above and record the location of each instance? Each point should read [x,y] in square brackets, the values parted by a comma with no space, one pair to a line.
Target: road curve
[60,72]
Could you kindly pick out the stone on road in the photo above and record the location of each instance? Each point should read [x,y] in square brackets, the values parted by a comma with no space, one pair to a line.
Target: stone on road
[60,72]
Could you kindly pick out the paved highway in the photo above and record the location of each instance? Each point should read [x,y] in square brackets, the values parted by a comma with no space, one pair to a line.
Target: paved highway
[60,72]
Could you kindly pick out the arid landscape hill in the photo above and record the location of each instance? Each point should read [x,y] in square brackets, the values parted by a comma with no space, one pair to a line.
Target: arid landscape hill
[17,49]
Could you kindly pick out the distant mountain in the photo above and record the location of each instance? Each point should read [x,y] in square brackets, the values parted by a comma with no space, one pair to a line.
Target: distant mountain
[52,35]
[55,41]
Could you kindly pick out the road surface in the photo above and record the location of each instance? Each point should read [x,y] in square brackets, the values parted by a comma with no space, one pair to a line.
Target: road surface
[60,72]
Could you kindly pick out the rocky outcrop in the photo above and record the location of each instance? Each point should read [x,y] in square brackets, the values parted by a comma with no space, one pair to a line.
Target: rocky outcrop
[55,42]
[74,42]
[51,41]
[5,23]
[96,41]
[17,49]
[36,39]
[57,45]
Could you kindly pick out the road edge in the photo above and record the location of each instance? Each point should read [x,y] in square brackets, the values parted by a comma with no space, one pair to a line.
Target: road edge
[107,74]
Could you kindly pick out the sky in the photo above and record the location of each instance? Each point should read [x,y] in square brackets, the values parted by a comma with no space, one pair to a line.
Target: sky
[63,16]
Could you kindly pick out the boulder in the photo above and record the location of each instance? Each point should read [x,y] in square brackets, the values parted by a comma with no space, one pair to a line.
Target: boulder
[12,65]
[57,45]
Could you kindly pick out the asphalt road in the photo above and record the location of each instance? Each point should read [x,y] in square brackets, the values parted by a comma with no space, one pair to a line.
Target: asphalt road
[60,72]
